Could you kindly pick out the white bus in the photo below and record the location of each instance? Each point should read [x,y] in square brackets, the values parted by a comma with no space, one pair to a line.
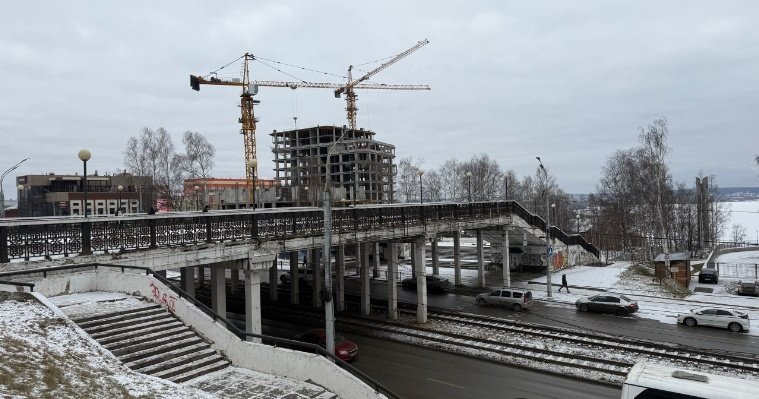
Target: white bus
[656,381]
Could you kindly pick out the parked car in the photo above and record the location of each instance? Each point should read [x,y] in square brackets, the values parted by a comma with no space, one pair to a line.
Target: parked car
[748,288]
[344,349]
[515,298]
[708,275]
[607,303]
[733,320]
[434,284]
[304,277]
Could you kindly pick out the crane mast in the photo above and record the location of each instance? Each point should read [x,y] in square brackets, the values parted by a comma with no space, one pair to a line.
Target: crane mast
[248,131]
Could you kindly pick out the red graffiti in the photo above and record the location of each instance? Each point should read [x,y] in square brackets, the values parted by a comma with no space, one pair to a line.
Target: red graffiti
[169,301]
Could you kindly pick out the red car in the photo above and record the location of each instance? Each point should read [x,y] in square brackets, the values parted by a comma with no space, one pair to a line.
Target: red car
[345,350]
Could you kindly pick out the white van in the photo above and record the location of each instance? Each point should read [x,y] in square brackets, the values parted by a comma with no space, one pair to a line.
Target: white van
[653,381]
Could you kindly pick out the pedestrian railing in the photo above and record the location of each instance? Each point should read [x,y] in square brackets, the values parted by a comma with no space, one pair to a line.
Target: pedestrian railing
[63,237]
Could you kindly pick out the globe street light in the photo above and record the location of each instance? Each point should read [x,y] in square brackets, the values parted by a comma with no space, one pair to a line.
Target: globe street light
[549,289]
[84,156]
[469,185]
[197,204]
[578,223]
[421,196]
[118,208]
[308,200]
[2,194]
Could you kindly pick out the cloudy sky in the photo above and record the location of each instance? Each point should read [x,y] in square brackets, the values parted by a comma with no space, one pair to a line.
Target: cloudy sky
[569,81]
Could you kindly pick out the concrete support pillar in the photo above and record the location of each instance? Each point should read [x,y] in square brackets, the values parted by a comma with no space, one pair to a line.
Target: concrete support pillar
[201,276]
[340,281]
[413,259]
[506,274]
[376,259]
[366,306]
[392,281]
[435,261]
[273,275]
[252,302]
[421,280]
[480,260]
[457,257]
[316,276]
[235,274]
[219,289]
[187,279]
[294,283]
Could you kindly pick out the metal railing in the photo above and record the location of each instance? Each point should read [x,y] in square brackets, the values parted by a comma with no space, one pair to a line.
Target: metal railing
[46,238]
[378,387]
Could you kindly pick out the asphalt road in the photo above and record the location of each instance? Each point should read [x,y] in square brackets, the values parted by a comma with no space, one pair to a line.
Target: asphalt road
[415,372]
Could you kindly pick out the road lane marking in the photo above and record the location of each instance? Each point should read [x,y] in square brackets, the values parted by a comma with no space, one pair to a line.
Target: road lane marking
[445,383]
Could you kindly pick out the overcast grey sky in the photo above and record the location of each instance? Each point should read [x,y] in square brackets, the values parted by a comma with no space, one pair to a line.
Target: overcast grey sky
[570,81]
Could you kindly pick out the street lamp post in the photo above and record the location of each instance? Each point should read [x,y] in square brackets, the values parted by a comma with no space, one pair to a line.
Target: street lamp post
[421,194]
[549,288]
[254,165]
[197,204]
[506,187]
[120,188]
[84,156]
[2,194]
[308,200]
[578,223]
[469,185]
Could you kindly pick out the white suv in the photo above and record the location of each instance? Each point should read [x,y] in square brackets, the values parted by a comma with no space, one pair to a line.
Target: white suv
[515,298]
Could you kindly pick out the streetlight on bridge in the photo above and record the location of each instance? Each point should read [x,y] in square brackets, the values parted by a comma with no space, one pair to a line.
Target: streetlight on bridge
[421,194]
[549,288]
[20,189]
[120,188]
[578,223]
[84,156]
[506,187]
[197,204]
[2,194]
[469,185]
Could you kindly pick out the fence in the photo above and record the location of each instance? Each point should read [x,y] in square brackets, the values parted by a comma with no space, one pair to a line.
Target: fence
[738,270]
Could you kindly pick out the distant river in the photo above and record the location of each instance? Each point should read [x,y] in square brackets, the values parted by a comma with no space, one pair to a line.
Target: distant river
[745,213]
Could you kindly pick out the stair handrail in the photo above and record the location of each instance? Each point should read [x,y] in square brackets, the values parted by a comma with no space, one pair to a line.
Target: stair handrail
[376,385]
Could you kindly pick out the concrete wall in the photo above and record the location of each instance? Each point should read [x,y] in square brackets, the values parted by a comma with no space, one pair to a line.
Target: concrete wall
[281,362]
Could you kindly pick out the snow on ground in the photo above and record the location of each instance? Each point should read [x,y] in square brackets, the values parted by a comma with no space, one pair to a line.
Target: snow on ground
[43,355]
[739,257]
[96,303]
[654,304]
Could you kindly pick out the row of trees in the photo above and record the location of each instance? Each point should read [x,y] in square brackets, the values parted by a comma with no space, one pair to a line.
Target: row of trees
[152,153]
[484,179]
[639,206]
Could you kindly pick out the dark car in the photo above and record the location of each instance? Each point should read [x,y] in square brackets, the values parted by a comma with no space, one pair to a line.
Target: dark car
[708,275]
[434,284]
[304,277]
[344,349]
[607,303]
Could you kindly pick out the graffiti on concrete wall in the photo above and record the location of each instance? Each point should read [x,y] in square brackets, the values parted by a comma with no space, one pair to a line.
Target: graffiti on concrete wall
[167,300]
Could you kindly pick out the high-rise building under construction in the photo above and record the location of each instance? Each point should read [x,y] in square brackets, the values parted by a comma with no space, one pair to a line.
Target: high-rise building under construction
[361,169]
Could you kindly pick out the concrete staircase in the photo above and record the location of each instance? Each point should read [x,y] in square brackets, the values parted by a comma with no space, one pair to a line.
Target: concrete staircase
[151,341]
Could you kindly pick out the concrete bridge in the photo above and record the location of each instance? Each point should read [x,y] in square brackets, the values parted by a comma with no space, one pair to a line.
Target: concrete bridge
[227,242]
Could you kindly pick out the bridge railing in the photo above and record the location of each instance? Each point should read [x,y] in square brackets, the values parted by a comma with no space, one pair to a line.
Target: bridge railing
[62,237]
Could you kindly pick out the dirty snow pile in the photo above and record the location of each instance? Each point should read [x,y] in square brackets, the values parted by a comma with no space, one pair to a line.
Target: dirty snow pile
[43,355]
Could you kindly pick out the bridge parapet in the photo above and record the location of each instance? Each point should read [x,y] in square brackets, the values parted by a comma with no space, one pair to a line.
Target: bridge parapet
[61,237]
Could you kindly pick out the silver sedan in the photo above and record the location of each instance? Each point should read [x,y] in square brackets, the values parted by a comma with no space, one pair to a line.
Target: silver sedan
[733,320]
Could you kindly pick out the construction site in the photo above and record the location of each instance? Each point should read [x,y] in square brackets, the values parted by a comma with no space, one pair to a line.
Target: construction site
[358,168]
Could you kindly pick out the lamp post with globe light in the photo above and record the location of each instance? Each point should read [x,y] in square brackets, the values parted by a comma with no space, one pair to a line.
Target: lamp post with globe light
[420,173]
[197,200]
[84,156]
[469,185]
[120,188]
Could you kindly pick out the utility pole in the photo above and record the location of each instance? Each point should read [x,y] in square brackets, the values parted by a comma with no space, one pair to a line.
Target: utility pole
[2,194]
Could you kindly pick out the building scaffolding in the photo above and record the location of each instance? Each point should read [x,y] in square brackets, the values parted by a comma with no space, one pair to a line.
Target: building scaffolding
[361,168]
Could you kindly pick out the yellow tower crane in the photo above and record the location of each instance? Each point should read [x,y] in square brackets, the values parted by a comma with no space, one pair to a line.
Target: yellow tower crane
[249,89]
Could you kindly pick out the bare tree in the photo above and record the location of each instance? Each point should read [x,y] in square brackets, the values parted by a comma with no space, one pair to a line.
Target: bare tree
[450,180]
[198,159]
[407,185]
[433,186]
[738,233]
